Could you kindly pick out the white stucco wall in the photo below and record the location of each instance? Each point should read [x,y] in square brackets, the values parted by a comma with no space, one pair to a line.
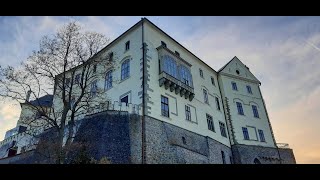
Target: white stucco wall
[248,120]
[177,117]
[120,88]
[132,86]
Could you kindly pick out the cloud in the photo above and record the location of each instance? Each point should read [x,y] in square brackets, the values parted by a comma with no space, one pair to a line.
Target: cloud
[9,114]
[282,52]
[286,65]
[19,36]
[298,125]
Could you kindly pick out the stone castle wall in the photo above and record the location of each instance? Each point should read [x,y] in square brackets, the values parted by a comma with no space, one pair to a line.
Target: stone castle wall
[117,136]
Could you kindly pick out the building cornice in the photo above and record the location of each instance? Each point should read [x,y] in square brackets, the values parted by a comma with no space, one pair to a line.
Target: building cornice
[237,77]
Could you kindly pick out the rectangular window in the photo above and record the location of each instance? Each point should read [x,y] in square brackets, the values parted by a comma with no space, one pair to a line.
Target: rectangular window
[163,44]
[223,157]
[212,81]
[127,45]
[239,107]
[223,129]
[77,79]
[217,103]
[108,80]
[245,133]
[205,95]
[177,53]
[255,111]
[125,69]
[234,86]
[210,123]
[201,73]
[94,87]
[164,106]
[170,66]
[261,135]
[185,75]
[188,113]
[249,89]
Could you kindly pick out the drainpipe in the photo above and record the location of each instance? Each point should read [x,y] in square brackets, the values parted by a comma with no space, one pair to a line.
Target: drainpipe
[274,140]
[143,124]
[224,114]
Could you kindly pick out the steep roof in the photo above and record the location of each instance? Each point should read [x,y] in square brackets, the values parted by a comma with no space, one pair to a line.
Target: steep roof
[43,101]
[226,64]
[235,61]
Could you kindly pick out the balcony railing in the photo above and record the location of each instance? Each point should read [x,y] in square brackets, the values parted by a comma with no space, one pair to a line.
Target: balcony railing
[176,85]
[283,145]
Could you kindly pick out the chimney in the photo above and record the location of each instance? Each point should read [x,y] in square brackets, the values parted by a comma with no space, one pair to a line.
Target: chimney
[28,96]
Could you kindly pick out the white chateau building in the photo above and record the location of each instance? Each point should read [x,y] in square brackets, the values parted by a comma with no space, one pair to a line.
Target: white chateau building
[190,113]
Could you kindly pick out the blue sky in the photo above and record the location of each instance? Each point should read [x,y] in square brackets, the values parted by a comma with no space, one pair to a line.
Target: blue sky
[282,52]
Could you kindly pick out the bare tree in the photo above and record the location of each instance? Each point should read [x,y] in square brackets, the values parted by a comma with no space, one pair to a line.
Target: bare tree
[68,65]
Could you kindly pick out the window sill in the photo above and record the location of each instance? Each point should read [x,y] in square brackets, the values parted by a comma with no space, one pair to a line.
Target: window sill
[124,79]
[165,117]
[105,90]
[251,140]
[192,122]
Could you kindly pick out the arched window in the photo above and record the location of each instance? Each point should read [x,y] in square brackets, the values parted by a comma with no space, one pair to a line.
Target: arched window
[108,81]
[125,69]
[185,75]
[256,161]
[170,66]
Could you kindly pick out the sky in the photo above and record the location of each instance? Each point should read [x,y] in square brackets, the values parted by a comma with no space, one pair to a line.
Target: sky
[282,52]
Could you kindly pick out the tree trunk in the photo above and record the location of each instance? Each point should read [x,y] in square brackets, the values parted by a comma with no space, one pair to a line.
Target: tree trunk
[71,131]
[60,150]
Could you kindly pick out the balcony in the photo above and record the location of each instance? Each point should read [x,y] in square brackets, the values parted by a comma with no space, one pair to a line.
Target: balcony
[176,85]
